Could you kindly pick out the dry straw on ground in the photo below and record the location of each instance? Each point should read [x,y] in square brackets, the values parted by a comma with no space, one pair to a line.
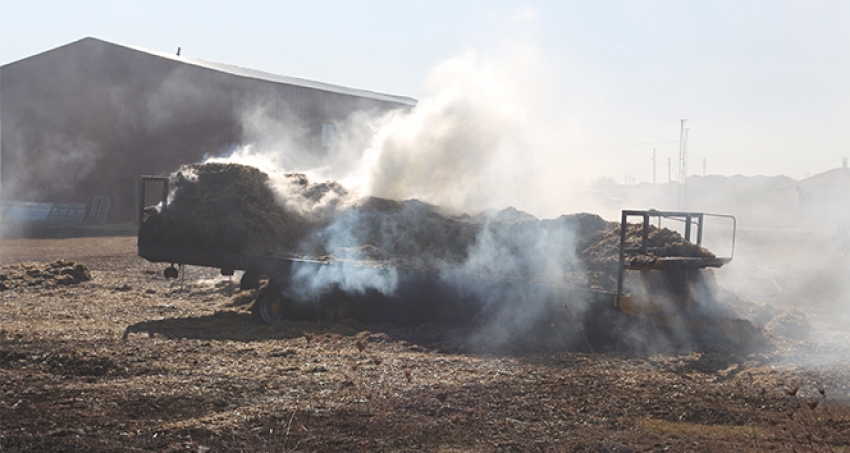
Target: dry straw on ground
[195,373]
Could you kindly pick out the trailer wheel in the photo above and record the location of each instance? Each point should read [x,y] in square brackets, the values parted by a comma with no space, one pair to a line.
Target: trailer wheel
[170,273]
[270,307]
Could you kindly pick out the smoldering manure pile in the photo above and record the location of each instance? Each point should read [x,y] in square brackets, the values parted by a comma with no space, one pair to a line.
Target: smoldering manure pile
[231,208]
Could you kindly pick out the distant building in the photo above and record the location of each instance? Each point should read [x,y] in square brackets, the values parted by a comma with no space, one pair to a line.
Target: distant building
[825,198]
[83,121]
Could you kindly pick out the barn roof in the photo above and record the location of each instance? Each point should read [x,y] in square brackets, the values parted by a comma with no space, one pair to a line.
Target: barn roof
[254,74]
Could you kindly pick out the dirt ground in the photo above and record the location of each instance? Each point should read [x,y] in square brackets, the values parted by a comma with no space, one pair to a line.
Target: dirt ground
[131,362]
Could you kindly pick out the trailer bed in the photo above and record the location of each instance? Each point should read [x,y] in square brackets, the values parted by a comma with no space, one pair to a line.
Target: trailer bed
[226,261]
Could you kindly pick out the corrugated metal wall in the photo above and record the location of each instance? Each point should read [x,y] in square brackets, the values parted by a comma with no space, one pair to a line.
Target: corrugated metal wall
[84,119]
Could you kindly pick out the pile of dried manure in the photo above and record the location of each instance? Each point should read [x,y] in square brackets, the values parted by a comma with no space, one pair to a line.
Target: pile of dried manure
[60,272]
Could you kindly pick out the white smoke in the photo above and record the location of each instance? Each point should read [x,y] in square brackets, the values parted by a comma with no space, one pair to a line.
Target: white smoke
[271,141]
[310,281]
[488,135]
[535,261]
[349,237]
[491,132]
[454,147]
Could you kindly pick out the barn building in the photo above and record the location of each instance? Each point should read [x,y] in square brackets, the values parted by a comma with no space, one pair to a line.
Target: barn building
[81,123]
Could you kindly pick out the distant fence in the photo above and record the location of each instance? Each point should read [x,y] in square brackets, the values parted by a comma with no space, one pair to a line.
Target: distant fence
[55,213]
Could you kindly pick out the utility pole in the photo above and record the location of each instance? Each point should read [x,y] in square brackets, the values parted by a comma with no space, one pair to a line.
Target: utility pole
[683,152]
[669,170]
[683,164]
[680,170]
[703,167]
[653,166]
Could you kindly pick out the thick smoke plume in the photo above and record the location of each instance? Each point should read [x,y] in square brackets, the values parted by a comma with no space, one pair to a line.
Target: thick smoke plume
[455,148]
[484,137]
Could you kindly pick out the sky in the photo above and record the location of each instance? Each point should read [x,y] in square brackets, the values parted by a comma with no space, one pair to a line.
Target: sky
[763,84]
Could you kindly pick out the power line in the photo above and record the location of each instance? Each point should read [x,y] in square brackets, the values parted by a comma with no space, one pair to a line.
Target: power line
[622,146]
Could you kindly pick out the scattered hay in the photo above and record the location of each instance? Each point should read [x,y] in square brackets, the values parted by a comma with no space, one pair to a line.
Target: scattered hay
[790,323]
[200,367]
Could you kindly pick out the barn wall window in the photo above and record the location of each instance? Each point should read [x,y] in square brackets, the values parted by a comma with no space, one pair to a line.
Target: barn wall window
[327,134]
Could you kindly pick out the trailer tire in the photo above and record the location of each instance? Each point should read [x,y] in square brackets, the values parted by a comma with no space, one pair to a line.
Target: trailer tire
[270,307]
[170,273]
